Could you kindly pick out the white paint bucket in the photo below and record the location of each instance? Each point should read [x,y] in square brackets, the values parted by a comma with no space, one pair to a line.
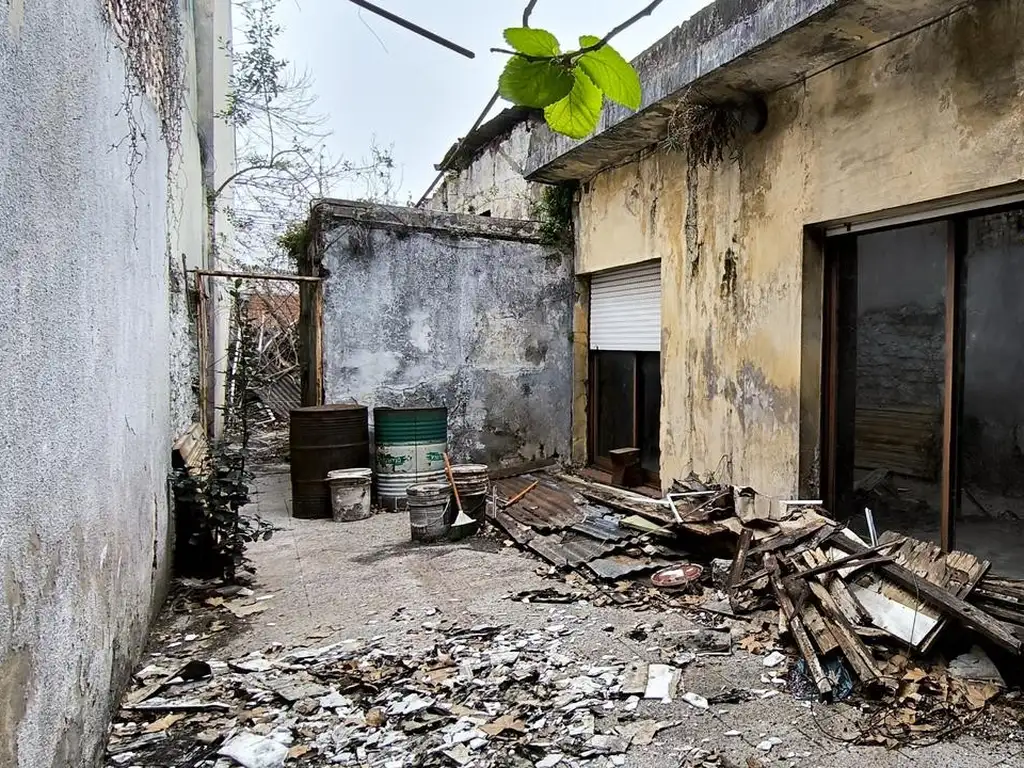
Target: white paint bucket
[350,494]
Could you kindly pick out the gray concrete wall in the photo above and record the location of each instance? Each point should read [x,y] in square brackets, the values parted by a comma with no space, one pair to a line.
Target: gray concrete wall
[84,399]
[430,309]
[493,182]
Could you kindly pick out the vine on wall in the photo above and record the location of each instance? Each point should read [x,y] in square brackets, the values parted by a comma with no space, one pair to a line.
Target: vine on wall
[150,31]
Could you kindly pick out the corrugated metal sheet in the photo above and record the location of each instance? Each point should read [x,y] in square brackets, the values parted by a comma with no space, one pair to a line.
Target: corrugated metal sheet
[619,566]
[546,508]
[598,525]
[520,533]
[625,309]
[568,549]
[281,396]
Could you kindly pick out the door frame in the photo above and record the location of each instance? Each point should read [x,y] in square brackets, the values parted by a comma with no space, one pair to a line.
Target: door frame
[837,249]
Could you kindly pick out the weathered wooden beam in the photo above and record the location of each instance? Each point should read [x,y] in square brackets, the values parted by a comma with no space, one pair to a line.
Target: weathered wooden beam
[841,594]
[843,562]
[860,658]
[796,627]
[740,562]
[947,602]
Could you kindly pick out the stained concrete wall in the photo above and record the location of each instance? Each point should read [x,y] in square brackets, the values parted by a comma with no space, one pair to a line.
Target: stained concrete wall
[85,400]
[934,114]
[428,309]
[493,181]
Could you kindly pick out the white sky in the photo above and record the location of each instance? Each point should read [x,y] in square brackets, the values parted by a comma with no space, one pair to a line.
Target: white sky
[409,92]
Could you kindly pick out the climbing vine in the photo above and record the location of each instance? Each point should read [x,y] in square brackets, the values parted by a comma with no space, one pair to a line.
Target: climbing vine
[295,241]
[554,212]
[213,529]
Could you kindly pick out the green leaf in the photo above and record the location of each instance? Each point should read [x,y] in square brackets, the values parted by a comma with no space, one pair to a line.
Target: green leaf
[532,42]
[534,83]
[611,73]
[577,114]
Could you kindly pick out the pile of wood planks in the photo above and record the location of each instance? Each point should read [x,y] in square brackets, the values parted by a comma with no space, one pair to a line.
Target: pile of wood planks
[837,595]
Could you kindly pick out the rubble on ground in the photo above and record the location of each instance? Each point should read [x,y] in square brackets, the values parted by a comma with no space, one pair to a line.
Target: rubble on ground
[451,695]
[864,616]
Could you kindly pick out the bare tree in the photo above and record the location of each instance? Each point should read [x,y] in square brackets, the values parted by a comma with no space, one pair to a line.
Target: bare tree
[282,161]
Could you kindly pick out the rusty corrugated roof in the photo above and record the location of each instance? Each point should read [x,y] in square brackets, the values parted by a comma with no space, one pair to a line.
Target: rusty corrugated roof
[548,507]
[599,524]
[281,396]
[619,566]
[568,549]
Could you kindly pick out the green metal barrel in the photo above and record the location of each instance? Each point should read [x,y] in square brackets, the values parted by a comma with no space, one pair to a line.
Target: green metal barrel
[410,450]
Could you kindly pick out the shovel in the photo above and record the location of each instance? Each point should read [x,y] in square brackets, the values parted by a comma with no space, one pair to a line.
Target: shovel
[462,518]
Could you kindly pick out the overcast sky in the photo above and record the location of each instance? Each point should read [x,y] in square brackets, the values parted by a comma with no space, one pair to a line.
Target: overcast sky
[379,82]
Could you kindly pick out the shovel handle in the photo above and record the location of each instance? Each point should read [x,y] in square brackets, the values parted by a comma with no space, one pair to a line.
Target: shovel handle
[451,479]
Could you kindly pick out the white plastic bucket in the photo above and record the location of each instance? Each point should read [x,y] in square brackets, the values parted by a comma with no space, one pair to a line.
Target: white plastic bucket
[350,494]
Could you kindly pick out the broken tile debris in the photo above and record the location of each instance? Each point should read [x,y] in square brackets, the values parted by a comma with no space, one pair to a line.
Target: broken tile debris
[843,605]
[480,695]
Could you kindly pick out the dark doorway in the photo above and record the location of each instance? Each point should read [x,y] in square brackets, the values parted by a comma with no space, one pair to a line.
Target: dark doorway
[625,407]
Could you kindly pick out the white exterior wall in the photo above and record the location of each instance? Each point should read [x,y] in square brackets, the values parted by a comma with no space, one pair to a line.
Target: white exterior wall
[97,209]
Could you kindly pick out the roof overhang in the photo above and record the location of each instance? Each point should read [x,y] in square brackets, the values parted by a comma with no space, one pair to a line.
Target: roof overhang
[730,49]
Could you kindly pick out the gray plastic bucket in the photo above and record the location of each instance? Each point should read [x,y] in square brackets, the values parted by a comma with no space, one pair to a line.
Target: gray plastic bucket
[428,505]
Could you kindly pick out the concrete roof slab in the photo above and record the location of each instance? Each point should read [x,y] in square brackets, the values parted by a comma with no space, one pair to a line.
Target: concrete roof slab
[730,48]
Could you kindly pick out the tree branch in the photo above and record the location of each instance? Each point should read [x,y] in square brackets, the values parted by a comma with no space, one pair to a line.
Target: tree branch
[527,11]
[567,58]
[647,11]
[270,165]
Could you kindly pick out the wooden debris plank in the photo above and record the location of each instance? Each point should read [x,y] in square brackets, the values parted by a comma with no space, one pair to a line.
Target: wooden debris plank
[853,648]
[190,450]
[841,594]
[626,501]
[740,562]
[981,595]
[817,628]
[1003,613]
[956,572]
[796,627]
[788,540]
[943,600]
[1007,587]
[842,562]
[965,571]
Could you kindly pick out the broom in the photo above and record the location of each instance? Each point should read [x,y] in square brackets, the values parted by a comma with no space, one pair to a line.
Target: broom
[462,518]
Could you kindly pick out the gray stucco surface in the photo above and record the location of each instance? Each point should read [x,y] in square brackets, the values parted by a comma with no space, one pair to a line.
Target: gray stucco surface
[478,321]
[84,402]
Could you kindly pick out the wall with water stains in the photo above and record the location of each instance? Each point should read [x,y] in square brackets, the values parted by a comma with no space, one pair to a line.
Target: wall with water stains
[429,309]
[934,114]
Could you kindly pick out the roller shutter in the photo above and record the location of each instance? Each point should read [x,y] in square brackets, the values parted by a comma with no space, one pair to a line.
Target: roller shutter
[625,309]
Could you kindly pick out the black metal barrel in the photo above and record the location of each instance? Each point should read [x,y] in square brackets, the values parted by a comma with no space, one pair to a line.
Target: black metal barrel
[324,438]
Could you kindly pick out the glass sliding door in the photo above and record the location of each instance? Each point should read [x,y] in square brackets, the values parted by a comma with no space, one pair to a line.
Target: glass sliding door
[990,515]
[889,374]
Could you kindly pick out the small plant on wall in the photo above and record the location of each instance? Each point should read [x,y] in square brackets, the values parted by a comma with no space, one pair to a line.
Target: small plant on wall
[554,212]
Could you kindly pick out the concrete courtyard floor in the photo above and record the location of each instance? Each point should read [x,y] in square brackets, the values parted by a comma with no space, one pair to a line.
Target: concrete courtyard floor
[332,581]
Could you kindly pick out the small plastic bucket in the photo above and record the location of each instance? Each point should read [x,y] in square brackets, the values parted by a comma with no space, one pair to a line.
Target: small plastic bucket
[350,494]
[428,505]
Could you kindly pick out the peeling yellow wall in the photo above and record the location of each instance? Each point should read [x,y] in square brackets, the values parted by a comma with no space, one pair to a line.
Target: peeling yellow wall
[935,114]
